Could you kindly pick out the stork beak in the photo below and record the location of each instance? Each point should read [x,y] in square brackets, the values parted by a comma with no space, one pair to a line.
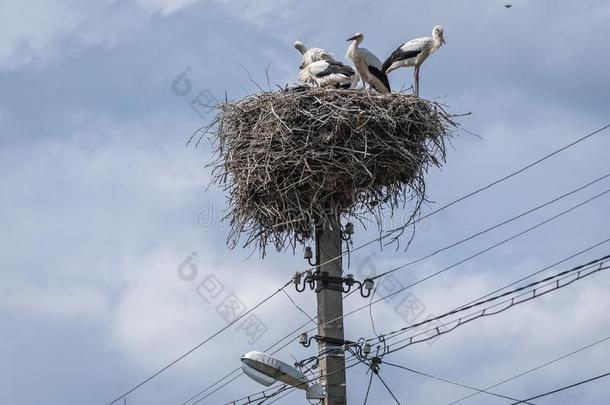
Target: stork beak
[443,40]
[302,65]
[353,38]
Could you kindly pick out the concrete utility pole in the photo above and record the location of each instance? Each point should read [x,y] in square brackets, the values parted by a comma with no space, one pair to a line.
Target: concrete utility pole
[330,307]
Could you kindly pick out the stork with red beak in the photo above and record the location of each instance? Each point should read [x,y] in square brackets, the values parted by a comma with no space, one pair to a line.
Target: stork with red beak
[414,53]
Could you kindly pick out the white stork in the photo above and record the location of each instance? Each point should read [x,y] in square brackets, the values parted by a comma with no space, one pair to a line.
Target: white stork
[310,56]
[330,74]
[367,65]
[414,53]
[313,54]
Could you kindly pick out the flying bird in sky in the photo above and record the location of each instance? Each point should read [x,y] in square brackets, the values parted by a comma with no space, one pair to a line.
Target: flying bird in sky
[414,53]
[368,66]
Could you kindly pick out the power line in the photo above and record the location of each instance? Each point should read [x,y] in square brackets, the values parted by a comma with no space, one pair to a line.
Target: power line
[504,241]
[529,295]
[199,344]
[589,264]
[547,268]
[557,263]
[477,254]
[193,398]
[478,390]
[298,307]
[368,389]
[491,228]
[276,393]
[538,225]
[513,174]
[290,391]
[549,280]
[531,370]
[473,236]
[494,246]
[387,388]
[239,368]
[257,396]
[567,387]
[486,299]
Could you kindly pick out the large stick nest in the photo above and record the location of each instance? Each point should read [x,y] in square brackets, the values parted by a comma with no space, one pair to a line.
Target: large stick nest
[292,160]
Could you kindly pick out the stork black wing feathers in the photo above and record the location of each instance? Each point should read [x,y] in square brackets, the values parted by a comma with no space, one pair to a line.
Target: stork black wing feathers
[397,55]
[337,68]
[381,76]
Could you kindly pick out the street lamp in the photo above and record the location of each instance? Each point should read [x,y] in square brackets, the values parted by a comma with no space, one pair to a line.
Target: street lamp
[266,370]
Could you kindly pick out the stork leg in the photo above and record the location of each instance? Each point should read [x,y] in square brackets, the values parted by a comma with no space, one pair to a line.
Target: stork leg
[416,74]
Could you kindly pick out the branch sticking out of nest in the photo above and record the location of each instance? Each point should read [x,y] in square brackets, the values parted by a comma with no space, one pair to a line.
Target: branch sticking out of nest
[294,159]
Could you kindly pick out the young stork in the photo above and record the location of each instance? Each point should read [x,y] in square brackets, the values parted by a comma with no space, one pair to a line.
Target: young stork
[310,56]
[331,74]
[414,53]
[367,65]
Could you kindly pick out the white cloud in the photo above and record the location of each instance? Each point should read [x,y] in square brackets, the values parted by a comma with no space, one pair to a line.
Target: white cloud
[34,31]
[37,31]
[55,301]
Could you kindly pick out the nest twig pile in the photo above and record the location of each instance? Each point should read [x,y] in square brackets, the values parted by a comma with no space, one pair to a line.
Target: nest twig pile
[294,159]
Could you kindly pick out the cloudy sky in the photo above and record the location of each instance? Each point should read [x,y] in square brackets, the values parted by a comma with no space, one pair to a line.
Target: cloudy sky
[102,206]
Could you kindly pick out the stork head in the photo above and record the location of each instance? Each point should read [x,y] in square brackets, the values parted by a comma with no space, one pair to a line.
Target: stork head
[358,37]
[300,46]
[438,33]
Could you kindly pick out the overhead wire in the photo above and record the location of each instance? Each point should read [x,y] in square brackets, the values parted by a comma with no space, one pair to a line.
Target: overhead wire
[298,307]
[486,299]
[428,375]
[536,368]
[473,236]
[491,228]
[567,387]
[512,174]
[549,280]
[368,389]
[376,366]
[479,253]
[511,302]
[203,342]
[387,388]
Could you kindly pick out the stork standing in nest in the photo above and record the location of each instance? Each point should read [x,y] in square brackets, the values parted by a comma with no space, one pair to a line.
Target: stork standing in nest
[368,66]
[414,53]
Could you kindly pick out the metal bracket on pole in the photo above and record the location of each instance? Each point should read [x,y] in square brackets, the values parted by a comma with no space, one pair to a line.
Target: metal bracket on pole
[328,282]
